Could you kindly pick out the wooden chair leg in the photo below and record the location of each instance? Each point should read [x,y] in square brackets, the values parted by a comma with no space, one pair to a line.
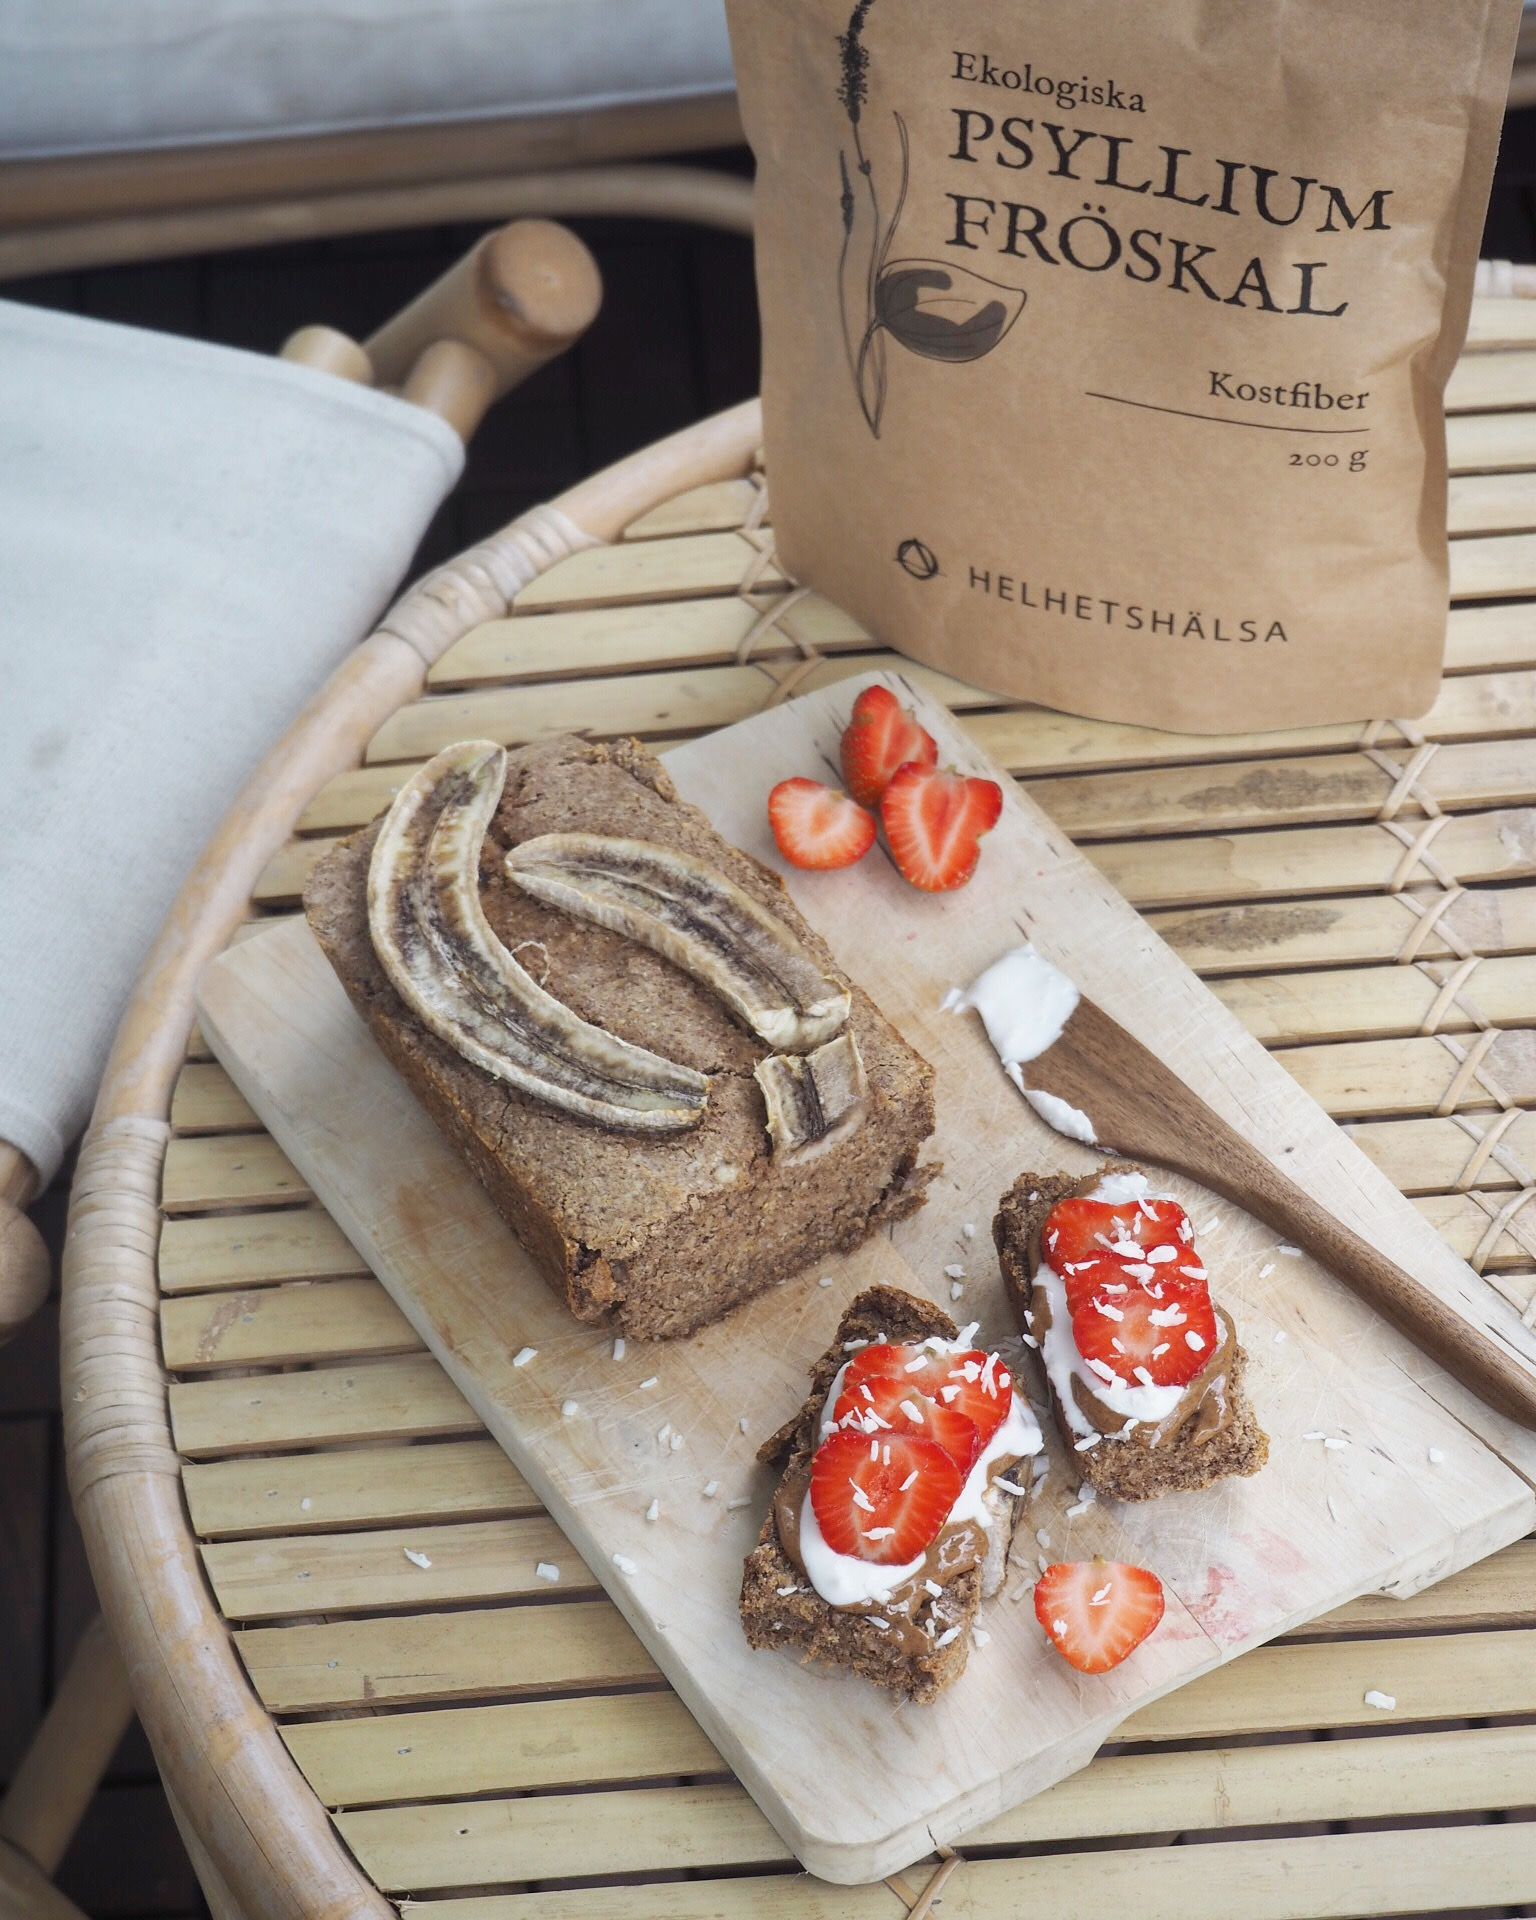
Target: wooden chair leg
[328,350]
[26,1895]
[24,1272]
[61,1770]
[518,298]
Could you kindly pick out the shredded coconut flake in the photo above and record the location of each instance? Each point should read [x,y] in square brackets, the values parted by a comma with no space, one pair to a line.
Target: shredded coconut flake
[547,1570]
[956,1288]
[416,1559]
[1436,1456]
[1333,1441]
[1266,1270]
[569,1409]
[1291,1253]
[969,1230]
[949,1634]
[1088,1442]
[646,1385]
[980,1635]
[1101,1598]
[524,1355]
[1195,1340]
[1383,1702]
[711,1488]
[625,1565]
[618,1348]
[741,1500]
[862,1500]
[933,1587]
[653,1511]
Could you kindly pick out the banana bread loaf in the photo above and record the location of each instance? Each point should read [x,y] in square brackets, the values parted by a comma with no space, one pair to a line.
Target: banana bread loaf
[656,1233]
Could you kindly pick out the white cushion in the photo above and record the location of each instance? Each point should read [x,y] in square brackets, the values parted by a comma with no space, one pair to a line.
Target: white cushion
[190,540]
[80,76]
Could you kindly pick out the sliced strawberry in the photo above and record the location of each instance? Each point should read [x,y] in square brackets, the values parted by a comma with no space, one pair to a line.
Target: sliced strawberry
[818,827]
[881,736]
[1160,1334]
[883,1404]
[934,822]
[1096,1612]
[1089,1242]
[882,1499]
[974,1384]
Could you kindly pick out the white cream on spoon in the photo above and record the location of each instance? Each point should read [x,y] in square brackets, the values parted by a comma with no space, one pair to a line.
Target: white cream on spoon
[1025,1004]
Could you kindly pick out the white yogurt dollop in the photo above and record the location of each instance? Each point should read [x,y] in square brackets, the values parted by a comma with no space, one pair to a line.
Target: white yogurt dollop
[1064,1365]
[1024,1003]
[1061,1115]
[844,1580]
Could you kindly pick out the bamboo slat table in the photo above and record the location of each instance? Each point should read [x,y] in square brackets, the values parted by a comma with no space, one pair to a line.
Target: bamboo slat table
[256,1435]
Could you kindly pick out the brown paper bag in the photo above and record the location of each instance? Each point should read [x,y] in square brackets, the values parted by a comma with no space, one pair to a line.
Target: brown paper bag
[1105,342]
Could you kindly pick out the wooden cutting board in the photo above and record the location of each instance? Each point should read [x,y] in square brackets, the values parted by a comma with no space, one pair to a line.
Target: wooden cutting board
[857,1785]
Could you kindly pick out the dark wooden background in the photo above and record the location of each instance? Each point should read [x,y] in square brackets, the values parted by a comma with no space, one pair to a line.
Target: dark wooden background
[677,339]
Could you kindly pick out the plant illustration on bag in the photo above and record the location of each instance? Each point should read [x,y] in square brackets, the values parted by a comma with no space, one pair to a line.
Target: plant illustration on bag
[932,308]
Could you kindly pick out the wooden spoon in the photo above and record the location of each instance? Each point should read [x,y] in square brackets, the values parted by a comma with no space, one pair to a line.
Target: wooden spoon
[1139,1108]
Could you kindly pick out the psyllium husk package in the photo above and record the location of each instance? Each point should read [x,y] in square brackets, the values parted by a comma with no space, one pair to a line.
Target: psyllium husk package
[1105,341]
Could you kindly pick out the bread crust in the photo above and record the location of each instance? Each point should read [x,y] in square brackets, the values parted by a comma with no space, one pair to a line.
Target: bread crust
[658,1235]
[1136,1468]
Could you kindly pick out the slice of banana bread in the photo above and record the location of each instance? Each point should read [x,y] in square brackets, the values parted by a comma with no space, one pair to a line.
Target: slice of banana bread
[658,1234]
[917,1656]
[1220,1437]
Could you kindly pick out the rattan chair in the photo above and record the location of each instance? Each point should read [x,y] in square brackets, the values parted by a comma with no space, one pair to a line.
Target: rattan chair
[260,1833]
[521,296]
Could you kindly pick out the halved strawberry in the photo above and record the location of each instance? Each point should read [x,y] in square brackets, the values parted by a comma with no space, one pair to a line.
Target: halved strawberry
[881,736]
[886,1404]
[1155,1334]
[934,822]
[1089,1241]
[818,827]
[1096,1612]
[974,1384]
[882,1499]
